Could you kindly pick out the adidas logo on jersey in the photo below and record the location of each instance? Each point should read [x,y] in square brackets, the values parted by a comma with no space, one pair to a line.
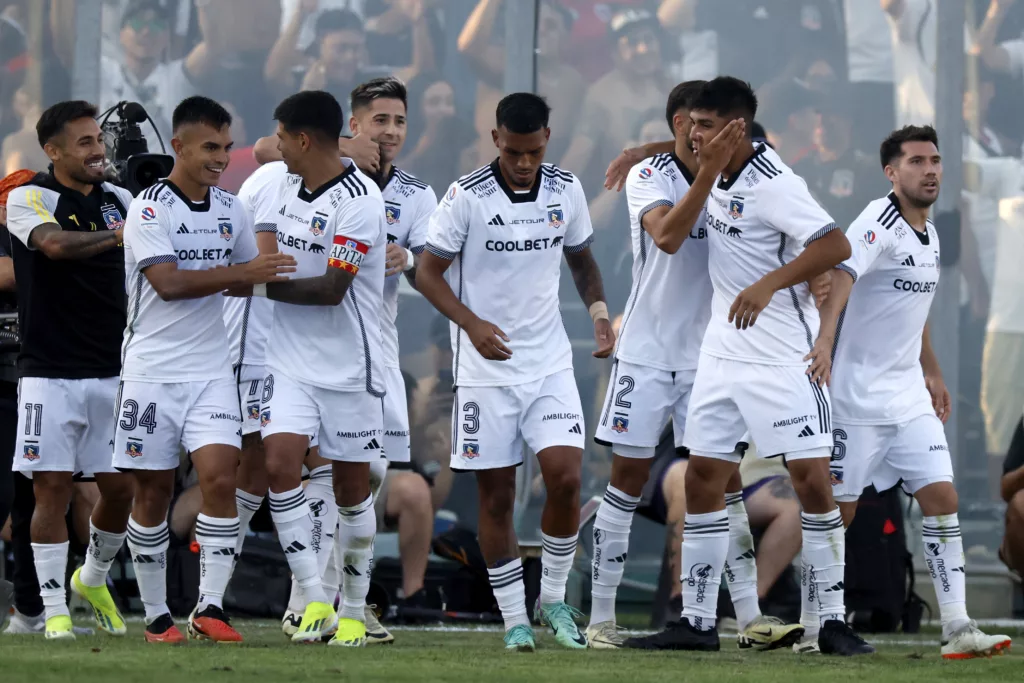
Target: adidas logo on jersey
[496,221]
[182,230]
[295,547]
[909,261]
[576,429]
[806,431]
[373,445]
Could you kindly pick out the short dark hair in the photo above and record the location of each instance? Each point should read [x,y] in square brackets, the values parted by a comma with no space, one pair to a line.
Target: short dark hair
[53,120]
[332,20]
[681,97]
[522,113]
[199,109]
[727,95]
[388,88]
[892,146]
[314,112]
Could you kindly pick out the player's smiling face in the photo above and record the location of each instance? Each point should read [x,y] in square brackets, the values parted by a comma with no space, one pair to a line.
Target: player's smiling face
[79,151]
[917,173]
[384,121]
[204,151]
[520,154]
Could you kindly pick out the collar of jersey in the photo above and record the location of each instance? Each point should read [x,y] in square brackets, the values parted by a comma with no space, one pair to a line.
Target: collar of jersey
[513,196]
[196,207]
[682,167]
[50,182]
[922,237]
[727,184]
[307,196]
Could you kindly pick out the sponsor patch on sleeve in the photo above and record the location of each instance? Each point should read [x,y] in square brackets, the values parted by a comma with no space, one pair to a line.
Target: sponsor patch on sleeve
[347,254]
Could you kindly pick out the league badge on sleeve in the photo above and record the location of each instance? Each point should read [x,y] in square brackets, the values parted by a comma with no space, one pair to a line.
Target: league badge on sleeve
[347,254]
[556,218]
[225,230]
[736,208]
[318,226]
[646,173]
[148,214]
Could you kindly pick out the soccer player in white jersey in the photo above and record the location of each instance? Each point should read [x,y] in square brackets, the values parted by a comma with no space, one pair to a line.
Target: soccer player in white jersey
[766,238]
[323,362]
[498,237]
[655,363]
[889,407]
[186,241]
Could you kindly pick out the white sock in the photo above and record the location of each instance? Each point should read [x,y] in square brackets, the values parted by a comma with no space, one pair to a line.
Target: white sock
[378,472]
[51,560]
[324,509]
[358,525]
[611,548]
[944,555]
[740,566]
[556,558]
[294,525]
[510,592]
[332,577]
[217,538]
[705,545]
[808,602]
[148,546]
[247,505]
[824,553]
[103,547]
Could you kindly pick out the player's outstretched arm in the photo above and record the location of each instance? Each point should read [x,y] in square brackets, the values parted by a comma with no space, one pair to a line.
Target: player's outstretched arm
[615,175]
[61,245]
[587,276]
[328,289]
[173,284]
[820,369]
[487,337]
[941,401]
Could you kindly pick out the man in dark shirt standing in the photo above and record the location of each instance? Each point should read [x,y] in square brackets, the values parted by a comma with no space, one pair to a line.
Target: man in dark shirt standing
[66,228]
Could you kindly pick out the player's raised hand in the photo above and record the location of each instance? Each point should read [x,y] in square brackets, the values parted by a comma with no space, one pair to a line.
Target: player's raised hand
[269,268]
[750,302]
[362,150]
[604,335]
[941,401]
[487,338]
[615,176]
[820,369]
[820,286]
[395,259]
[714,154]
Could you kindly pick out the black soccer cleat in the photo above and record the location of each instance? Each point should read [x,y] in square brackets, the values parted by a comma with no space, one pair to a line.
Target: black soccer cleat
[836,638]
[678,635]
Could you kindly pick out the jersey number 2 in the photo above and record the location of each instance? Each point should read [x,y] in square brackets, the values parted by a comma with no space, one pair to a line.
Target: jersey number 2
[627,384]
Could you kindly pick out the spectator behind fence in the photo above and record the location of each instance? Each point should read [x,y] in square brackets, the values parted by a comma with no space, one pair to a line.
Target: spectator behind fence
[430,417]
[440,143]
[21,148]
[403,34]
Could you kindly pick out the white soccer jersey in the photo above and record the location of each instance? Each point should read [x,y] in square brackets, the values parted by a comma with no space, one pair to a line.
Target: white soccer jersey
[876,376]
[341,225]
[758,221]
[185,340]
[506,248]
[670,302]
[248,319]
[408,205]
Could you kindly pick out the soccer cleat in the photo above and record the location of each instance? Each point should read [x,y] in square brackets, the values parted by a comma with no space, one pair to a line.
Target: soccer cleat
[604,635]
[806,646]
[678,635]
[970,642]
[520,639]
[376,634]
[769,633]
[290,623]
[836,638]
[22,625]
[163,630]
[562,620]
[108,618]
[6,600]
[350,633]
[60,628]
[212,624]
[318,619]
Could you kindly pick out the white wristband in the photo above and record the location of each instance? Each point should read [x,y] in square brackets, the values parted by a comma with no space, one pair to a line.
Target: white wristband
[259,290]
[410,260]
[599,311]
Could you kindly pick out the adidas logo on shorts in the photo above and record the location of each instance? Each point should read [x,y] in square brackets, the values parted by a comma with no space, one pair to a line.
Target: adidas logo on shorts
[806,431]
[372,445]
[576,429]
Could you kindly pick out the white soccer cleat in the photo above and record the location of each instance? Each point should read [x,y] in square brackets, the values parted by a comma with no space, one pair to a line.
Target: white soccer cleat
[290,622]
[21,625]
[970,642]
[604,635]
[807,646]
[376,634]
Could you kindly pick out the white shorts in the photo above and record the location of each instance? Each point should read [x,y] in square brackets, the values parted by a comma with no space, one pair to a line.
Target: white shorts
[65,425]
[350,424]
[490,424]
[250,395]
[784,411]
[639,402]
[396,417]
[913,452]
[155,421]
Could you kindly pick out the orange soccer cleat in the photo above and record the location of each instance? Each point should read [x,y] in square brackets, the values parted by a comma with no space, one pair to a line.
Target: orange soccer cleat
[212,624]
[163,630]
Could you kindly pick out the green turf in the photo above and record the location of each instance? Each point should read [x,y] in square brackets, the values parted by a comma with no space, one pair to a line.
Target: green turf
[459,656]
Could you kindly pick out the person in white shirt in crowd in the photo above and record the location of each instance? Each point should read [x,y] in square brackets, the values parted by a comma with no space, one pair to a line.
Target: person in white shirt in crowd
[913,26]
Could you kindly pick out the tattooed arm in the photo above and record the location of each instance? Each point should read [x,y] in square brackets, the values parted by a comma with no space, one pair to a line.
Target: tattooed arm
[325,290]
[60,245]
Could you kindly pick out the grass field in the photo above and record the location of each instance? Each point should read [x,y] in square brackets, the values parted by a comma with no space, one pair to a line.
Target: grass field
[472,656]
